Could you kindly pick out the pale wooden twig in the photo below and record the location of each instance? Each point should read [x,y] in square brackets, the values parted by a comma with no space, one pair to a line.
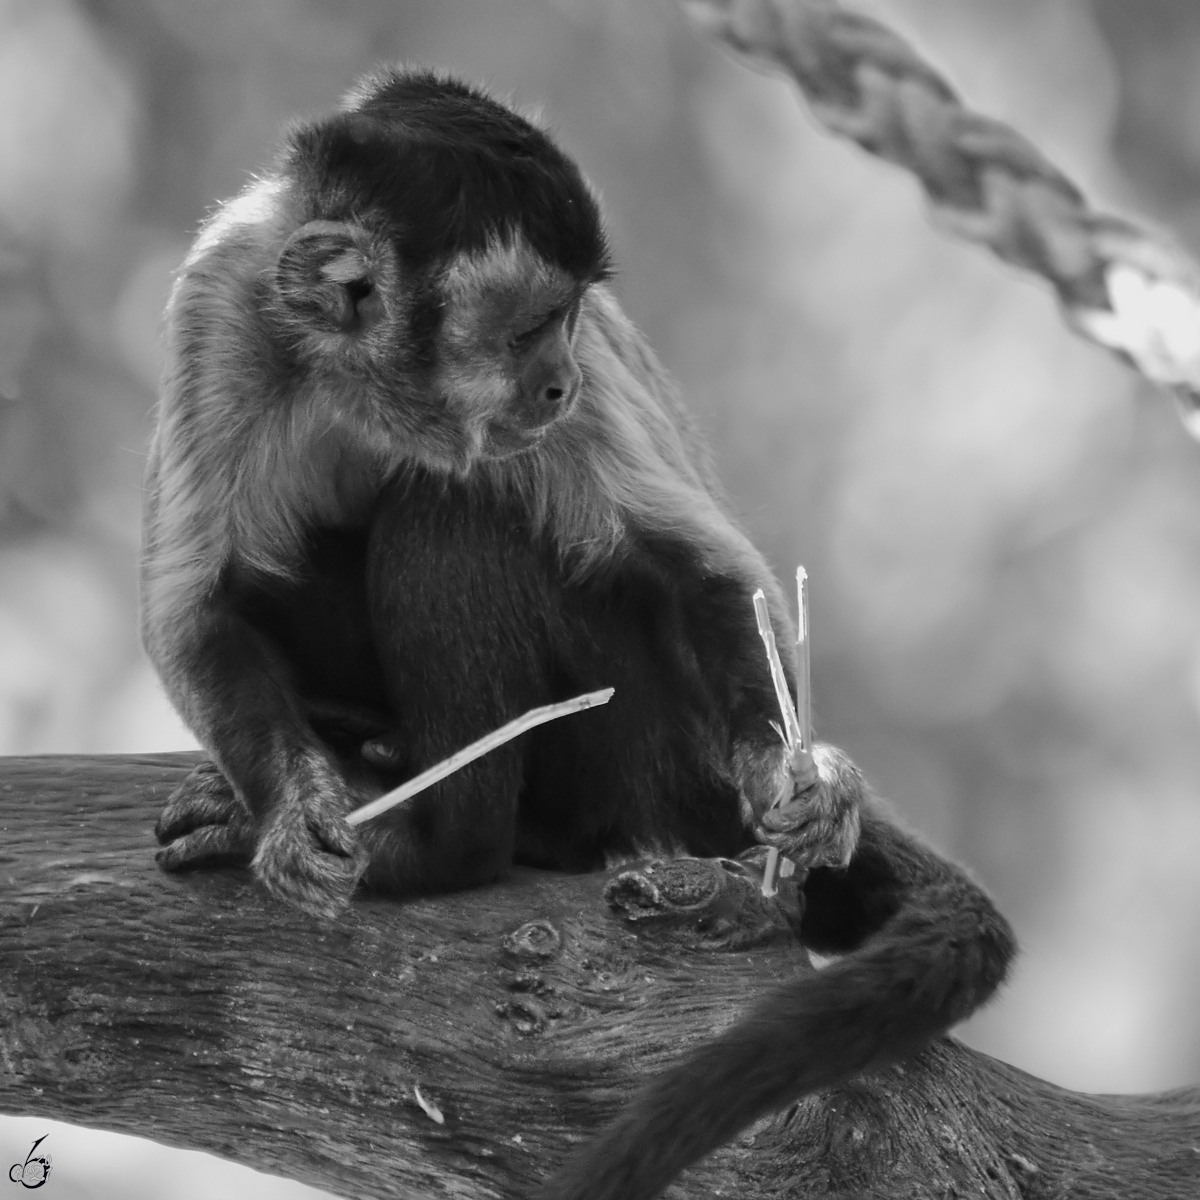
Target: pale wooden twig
[803,669]
[768,884]
[796,730]
[791,725]
[487,743]
[796,735]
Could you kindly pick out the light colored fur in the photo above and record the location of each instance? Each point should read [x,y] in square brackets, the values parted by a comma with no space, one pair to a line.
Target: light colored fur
[489,296]
[240,468]
[627,457]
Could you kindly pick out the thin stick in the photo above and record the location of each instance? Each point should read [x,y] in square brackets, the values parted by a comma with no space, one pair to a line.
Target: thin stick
[804,676]
[797,737]
[768,884]
[791,725]
[487,743]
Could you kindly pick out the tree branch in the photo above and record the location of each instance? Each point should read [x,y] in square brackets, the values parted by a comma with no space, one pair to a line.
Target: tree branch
[460,1044]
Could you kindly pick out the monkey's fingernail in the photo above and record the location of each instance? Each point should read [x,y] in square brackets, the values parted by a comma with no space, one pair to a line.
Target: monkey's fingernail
[380,751]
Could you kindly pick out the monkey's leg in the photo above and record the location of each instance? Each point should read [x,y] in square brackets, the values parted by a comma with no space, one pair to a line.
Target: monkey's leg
[457,834]
[450,687]
[926,947]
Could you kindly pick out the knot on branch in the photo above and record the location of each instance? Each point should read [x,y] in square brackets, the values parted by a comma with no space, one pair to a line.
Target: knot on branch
[712,904]
[537,941]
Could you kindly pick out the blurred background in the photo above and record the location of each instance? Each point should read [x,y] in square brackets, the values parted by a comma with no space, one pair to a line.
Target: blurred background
[1001,524]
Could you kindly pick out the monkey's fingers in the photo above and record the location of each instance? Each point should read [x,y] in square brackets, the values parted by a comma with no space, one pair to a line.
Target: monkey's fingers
[210,846]
[204,798]
[309,856]
[817,843]
[819,826]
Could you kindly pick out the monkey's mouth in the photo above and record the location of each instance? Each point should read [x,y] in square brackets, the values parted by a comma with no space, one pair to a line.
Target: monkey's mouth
[503,441]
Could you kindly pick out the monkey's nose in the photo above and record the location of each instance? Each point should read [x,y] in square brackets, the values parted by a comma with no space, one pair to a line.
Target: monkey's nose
[553,394]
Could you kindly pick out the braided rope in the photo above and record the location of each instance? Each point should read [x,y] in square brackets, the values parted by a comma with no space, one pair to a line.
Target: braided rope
[1127,288]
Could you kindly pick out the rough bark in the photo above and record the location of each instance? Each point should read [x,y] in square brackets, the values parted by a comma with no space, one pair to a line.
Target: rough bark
[458,1045]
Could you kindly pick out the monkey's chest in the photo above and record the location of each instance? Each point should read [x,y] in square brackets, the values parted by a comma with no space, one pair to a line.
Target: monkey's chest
[475,621]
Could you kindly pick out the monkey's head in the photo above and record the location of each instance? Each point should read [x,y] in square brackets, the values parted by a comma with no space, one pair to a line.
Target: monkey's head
[439,253]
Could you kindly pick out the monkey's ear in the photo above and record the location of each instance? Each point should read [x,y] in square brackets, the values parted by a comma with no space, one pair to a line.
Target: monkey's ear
[335,276]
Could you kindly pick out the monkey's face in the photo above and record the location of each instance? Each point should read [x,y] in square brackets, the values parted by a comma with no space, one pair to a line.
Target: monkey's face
[505,359]
[471,361]
[429,297]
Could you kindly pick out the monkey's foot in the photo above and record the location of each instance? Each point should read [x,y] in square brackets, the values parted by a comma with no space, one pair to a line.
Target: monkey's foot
[204,824]
[818,826]
[309,856]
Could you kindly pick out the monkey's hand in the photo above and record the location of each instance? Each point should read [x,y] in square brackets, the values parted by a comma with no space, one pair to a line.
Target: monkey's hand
[819,825]
[307,853]
[204,824]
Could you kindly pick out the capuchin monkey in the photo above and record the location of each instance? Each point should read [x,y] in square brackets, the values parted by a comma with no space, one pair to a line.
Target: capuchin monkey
[414,472]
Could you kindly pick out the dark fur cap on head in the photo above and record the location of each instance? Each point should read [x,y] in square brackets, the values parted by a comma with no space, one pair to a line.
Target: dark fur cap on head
[452,169]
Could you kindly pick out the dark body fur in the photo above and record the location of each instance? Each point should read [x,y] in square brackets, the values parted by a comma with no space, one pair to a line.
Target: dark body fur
[452,617]
[478,593]
[922,947]
[415,473]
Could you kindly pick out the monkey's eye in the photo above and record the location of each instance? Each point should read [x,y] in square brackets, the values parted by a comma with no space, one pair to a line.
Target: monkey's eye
[565,314]
[521,342]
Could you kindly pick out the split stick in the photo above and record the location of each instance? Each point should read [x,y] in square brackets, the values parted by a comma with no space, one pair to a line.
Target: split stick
[804,676]
[796,733]
[468,754]
[772,865]
[791,724]
[796,730]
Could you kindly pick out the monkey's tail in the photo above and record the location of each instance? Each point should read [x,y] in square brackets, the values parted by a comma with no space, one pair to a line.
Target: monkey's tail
[934,961]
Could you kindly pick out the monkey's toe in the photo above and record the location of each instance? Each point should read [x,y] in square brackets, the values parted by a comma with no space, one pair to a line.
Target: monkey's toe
[203,799]
[210,846]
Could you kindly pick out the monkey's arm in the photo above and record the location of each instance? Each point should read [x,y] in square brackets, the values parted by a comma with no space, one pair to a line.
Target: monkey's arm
[927,947]
[813,824]
[288,796]
[285,798]
[225,510]
[685,536]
